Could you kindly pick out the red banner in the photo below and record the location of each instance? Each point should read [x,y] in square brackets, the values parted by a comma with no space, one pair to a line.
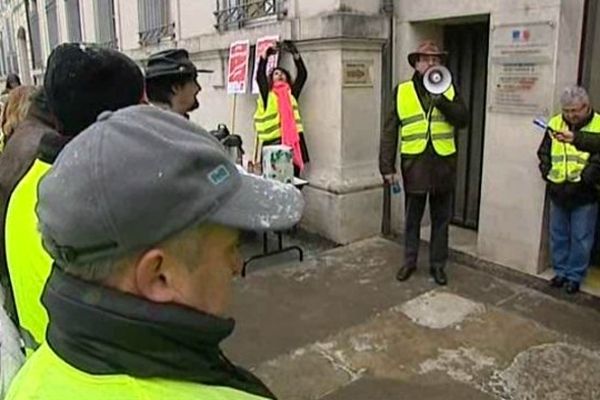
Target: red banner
[262,45]
[237,72]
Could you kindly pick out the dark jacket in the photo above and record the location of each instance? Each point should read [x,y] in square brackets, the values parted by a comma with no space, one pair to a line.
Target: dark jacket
[16,159]
[102,331]
[571,194]
[586,141]
[428,171]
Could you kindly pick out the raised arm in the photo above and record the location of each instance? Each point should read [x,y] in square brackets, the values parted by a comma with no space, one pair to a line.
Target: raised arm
[261,76]
[301,75]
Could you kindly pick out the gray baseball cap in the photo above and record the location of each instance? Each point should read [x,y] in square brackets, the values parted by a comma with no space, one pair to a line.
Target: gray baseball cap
[140,175]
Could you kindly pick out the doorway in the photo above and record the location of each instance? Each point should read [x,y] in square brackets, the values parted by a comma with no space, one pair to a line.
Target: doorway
[468,45]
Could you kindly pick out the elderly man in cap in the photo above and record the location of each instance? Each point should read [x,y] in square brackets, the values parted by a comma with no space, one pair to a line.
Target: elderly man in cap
[145,253]
[423,126]
[171,81]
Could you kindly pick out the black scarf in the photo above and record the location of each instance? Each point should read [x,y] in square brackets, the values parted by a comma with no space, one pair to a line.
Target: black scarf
[103,331]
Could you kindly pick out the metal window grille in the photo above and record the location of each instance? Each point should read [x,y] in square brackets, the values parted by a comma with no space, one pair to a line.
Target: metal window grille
[106,34]
[73,20]
[236,13]
[34,27]
[154,20]
[52,18]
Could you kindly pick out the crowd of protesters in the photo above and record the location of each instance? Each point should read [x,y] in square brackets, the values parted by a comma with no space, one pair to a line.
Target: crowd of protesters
[119,233]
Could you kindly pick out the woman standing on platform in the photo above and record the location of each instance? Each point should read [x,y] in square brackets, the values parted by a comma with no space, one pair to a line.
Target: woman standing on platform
[277,119]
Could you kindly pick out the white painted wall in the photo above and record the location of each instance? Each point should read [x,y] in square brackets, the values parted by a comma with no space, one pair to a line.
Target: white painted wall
[195,18]
[61,16]
[361,6]
[127,24]
[305,9]
[44,40]
[88,21]
[19,20]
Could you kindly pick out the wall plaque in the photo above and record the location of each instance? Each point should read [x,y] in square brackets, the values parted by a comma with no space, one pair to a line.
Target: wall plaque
[522,66]
[358,73]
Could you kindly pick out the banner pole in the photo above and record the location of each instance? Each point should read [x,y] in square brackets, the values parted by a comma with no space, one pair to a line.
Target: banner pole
[233,109]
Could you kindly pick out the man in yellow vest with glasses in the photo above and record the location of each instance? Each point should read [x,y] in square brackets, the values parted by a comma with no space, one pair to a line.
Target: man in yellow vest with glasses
[422,127]
[573,177]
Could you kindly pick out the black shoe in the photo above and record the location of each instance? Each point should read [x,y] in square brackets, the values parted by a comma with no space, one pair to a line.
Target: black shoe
[405,272]
[571,287]
[439,276]
[558,281]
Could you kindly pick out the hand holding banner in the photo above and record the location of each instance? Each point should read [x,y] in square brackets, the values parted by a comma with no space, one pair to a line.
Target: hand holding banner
[262,45]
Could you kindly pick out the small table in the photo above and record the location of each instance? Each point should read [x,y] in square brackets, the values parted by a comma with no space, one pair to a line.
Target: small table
[299,183]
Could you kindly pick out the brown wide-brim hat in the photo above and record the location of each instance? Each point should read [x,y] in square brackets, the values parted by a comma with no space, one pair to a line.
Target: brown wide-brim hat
[426,48]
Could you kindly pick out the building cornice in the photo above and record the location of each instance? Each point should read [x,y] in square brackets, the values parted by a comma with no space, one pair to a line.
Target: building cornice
[349,31]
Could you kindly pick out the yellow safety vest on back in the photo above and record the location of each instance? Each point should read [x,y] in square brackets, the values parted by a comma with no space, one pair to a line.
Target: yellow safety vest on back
[28,262]
[46,376]
[418,125]
[267,122]
[567,161]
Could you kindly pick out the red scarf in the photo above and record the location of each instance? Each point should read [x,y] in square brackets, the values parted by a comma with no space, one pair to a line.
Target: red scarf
[287,121]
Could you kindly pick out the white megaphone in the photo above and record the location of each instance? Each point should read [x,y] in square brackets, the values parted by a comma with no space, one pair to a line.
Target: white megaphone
[437,79]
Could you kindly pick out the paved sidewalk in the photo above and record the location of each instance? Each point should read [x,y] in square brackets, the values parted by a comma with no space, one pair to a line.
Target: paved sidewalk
[339,326]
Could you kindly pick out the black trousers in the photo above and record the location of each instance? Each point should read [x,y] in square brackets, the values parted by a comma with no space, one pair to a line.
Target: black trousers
[440,206]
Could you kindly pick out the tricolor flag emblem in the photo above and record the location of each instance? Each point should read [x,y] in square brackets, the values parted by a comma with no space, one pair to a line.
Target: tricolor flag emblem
[521,35]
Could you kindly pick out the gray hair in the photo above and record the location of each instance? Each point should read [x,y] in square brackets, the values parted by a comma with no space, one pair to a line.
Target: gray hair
[99,270]
[574,94]
[185,246]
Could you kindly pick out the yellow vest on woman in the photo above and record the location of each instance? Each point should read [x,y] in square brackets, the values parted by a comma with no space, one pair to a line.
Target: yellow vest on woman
[266,120]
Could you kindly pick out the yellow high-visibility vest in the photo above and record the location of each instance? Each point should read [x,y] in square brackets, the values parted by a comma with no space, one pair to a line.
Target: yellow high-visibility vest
[417,126]
[567,161]
[28,262]
[266,120]
[46,376]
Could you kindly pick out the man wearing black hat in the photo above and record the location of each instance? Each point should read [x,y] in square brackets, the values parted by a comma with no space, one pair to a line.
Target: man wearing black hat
[80,83]
[171,81]
[424,124]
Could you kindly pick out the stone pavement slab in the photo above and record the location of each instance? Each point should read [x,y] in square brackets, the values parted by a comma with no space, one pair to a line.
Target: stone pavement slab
[384,389]
[339,326]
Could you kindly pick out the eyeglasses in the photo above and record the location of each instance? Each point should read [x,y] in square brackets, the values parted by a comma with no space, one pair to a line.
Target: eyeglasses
[575,110]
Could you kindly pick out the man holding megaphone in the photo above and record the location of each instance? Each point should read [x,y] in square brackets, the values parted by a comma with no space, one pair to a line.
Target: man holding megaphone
[427,111]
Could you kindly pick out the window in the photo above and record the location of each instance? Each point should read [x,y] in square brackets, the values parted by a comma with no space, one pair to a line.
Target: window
[34,29]
[105,23]
[237,13]
[52,18]
[3,70]
[154,21]
[73,20]
[11,63]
